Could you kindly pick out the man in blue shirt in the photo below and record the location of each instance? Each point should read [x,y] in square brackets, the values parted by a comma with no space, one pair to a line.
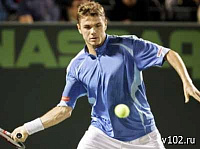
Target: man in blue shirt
[109,71]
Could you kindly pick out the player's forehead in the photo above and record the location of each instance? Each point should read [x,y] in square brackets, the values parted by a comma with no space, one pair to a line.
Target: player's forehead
[92,20]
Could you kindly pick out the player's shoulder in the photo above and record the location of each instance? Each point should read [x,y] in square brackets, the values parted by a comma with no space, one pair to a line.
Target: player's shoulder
[75,62]
[122,38]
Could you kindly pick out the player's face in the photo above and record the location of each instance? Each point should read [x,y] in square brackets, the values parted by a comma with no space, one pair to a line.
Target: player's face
[93,30]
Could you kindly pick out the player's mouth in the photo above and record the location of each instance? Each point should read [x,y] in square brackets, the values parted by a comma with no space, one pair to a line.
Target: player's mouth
[93,38]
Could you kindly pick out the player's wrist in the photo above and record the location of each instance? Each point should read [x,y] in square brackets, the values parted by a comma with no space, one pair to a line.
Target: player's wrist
[33,126]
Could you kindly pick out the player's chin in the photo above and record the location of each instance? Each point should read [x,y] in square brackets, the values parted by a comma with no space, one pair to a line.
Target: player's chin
[95,44]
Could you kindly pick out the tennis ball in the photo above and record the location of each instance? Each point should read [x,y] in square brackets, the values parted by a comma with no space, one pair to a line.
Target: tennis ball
[122,111]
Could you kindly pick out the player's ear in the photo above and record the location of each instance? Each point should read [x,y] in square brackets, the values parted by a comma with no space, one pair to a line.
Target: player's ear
[79,28]
[106,23]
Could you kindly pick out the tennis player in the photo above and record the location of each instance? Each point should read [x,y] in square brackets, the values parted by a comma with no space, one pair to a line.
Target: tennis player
[109,71]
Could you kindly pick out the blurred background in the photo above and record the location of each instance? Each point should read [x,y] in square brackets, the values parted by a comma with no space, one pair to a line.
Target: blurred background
[38,38]
[29,11]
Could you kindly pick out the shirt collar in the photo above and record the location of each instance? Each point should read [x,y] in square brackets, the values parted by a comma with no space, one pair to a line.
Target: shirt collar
[100,50]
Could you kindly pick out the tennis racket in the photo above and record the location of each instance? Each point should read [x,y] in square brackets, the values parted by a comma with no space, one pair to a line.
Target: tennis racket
[7,136]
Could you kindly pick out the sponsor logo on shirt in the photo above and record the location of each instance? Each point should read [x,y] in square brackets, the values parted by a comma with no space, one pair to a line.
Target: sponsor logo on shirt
[65,98]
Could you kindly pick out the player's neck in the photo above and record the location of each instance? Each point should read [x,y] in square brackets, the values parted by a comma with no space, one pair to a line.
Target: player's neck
[91,50]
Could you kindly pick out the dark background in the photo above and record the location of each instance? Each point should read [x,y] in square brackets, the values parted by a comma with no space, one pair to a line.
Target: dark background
[28,93]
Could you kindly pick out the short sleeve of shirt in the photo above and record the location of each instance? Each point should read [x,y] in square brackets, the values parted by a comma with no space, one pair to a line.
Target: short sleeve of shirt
[72,91]
[147,54]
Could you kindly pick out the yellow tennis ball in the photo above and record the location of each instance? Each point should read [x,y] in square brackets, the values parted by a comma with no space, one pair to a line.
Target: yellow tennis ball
[122,111]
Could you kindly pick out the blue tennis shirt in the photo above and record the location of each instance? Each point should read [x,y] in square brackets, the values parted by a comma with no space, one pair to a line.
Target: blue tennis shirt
[114,77]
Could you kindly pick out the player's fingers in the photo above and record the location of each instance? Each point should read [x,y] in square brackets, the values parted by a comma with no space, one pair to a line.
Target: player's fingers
[19,131]
[197,96]
[21,139]
[14,137]
[187,98]
[13,134]
[198,93]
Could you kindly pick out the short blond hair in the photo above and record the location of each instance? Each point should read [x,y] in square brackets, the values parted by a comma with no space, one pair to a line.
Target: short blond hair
[90,8]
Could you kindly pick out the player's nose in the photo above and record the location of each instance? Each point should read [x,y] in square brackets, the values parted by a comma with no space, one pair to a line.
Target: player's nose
[93,30]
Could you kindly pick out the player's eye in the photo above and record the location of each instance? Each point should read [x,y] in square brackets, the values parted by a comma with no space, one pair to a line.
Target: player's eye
[98,25]
[87,27]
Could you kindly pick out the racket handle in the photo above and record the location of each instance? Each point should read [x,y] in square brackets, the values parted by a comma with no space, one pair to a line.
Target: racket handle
[19,135]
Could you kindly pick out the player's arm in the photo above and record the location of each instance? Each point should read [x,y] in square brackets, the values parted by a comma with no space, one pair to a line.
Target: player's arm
[51,118]
[55,116]
[177,63]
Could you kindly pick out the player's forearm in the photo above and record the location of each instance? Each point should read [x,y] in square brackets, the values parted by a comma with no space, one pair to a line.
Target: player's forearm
[55,116]
[177,63]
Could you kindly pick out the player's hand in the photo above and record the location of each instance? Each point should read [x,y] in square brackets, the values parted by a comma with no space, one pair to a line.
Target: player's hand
[22,131]
[191,90]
